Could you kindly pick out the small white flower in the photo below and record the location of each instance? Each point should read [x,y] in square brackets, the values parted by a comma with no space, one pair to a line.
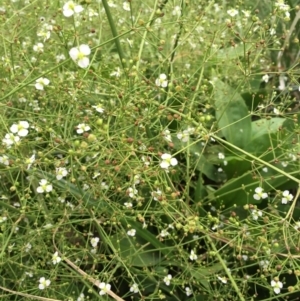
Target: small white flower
[167,279]
[167,135]
[116,73]
[297,226]
[161,81]
[256,214]
[21,129]
[188,291]
[81,297]
[277,286]
[265,78]
[183,136]
[259,194]
[4,160]
[104,288]
[39,47]
[82,127]
[193,256]
[134,288]
[28,247]
[232,12]
[126,6]
[10,139]
[80,55]
[167,161]
[98,108]
[70,8]
[164,233]
[132,192]
[45,186]
[176,11]
[156,194]
[3,219]
[221,156]
[128,205]
[61,172]
[41,82]
[222,279]
[276,111]
[94,241]
[131,232]
[264,264]
[55,258]
[287,197]
[44,283]
[30,161]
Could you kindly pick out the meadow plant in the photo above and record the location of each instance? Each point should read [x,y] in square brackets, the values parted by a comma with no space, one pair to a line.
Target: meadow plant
[149,150]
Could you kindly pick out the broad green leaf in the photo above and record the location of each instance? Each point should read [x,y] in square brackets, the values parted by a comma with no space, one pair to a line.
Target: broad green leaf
[232,115]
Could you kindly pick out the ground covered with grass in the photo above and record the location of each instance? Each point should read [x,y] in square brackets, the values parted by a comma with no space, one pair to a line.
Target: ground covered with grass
[149,150]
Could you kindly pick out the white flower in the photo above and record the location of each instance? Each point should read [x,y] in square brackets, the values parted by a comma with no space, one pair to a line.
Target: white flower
[61,172]
[30,161]
[265,78]
[116,73]
[287,197]
[39,47]
[183,136]
[256,214]
[264,264]
[21,129]
[70,8]
[164,233]
[45,186]
[10,139]
[98,108]
[277,286]
[232,12]
[134,288]
[221,156]
[156,194]
[44,283]
[132,192]
[128,205]
[45,31]
[167,160]
[176,11]
[259,194]
[131,232]
[193,256]
[80,55]
[94,241]
[82,127]
[81,297]
[55,258]
[188,291]
[167,135]
[297,226]
[41,82]
[104,288]
[60,57]
[222,279]
[4,160]
[126,6]
[28,247]
[3,219]
[167,279]
[161,81]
